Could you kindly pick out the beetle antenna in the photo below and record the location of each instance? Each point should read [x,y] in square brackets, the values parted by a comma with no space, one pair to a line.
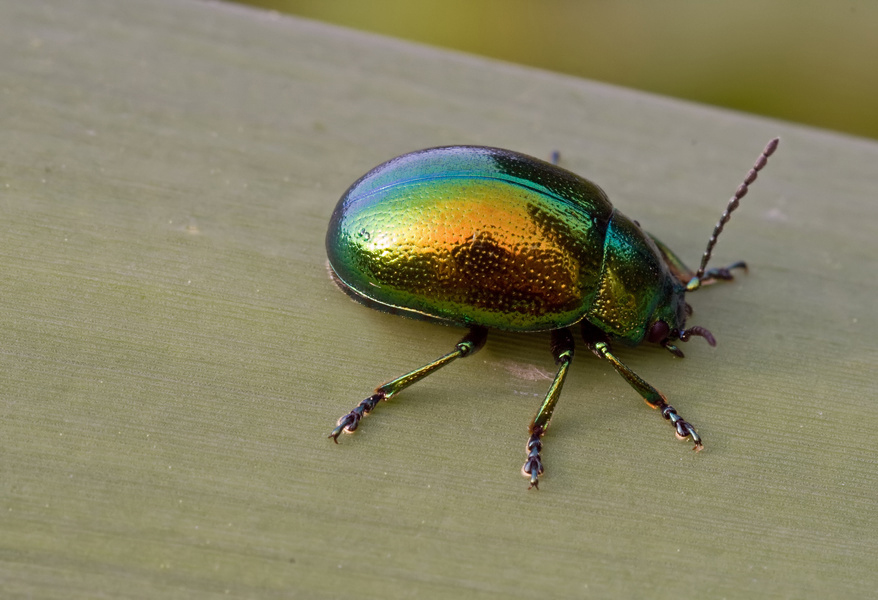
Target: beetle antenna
[695,282]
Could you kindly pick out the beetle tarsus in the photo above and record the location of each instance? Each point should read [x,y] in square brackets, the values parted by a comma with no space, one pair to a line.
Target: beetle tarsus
[348,423]
[722,273]
[533,466]
[683,429]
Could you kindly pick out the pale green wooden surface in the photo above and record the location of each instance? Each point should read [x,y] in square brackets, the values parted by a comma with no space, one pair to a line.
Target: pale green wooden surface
[173,353]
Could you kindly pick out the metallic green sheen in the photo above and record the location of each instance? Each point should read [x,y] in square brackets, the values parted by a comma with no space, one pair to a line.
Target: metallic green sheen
[469,235]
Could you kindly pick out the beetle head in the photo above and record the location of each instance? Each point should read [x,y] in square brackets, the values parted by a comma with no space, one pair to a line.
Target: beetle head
[669,327]
[661,333]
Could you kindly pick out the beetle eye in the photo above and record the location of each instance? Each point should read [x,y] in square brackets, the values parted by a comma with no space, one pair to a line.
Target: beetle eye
[658,332]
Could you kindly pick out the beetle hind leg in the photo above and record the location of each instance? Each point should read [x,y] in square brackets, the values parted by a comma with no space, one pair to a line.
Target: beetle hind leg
[471,343]
[562,351]
[597,343]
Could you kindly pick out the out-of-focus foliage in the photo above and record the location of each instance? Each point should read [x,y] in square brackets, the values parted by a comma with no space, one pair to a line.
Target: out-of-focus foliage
[806,61]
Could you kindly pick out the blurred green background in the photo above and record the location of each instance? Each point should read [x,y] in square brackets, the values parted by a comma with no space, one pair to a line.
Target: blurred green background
[810,61]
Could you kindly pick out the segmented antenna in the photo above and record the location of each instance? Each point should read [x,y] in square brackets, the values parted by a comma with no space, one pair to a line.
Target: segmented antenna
[695,282]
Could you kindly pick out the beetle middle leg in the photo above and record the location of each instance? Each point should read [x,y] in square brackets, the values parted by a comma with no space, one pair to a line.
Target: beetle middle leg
[471,343]
[597,343]
[562,351]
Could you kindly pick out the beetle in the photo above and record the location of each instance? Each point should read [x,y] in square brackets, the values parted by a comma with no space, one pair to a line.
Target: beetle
[486,238]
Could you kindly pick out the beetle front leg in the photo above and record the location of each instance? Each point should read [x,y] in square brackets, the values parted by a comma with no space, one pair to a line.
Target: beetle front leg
[562,351]
[471,343]
[597,343]
[722,273]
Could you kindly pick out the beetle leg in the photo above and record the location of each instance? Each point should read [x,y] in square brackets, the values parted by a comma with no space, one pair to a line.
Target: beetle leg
[562,351]
[597,343]
[469,344]
[722,273]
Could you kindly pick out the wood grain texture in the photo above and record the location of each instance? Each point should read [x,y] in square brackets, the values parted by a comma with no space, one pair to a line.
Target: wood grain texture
[174,354]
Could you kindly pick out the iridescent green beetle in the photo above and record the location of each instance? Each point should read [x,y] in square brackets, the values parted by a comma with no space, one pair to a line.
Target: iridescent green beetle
[487,238]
